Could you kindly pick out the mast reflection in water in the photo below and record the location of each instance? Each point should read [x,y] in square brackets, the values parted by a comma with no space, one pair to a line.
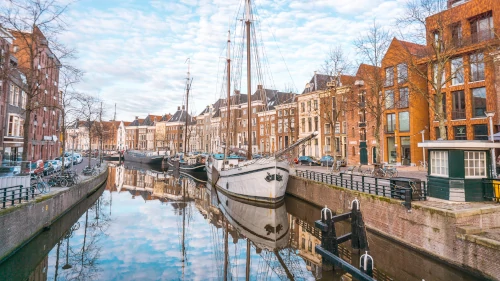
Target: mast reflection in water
[152,225]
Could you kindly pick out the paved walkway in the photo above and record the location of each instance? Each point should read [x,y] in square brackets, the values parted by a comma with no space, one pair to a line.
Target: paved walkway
[403,171]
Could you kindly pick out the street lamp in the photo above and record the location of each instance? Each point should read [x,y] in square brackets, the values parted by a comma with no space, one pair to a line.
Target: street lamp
[490,115]
[73,136]
[423,139]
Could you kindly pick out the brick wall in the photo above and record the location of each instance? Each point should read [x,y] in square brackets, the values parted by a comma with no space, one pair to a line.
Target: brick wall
[429,230]
[20,225]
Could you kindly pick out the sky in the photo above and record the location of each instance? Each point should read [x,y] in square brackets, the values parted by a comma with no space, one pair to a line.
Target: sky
[134,53]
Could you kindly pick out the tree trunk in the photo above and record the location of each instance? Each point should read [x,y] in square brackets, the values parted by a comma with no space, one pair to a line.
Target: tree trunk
[90,142]
[26,132]
[440,116]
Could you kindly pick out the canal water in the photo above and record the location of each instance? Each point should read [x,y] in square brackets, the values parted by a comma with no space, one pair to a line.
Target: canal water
[153,225]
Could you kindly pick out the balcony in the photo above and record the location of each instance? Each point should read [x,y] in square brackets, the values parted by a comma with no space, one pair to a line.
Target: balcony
[458,114]
[389,129]
[361,124]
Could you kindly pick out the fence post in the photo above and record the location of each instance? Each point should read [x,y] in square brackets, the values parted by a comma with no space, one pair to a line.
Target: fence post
[20,193]
[4,197]
[363,183]
[351,182]
[12,200]
[27,194]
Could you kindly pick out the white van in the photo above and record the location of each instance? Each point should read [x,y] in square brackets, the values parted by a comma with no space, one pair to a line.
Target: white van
[79,158]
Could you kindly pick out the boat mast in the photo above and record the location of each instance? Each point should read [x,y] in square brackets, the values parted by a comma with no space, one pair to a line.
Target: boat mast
[228,91]
[249,86]
[187,103]
[247,275]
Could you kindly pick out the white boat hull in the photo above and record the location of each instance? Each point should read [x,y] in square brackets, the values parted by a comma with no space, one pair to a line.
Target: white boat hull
[262,180]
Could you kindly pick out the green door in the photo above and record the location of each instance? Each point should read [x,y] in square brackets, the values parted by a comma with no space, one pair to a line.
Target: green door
[374,155]
[363,153]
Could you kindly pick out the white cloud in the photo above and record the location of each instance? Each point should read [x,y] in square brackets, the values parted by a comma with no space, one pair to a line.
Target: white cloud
[134,53]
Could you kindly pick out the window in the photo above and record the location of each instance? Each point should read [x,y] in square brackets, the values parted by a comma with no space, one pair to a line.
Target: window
[362,134]
[303,125]
[402,73]
[327,128]
[481,28]
[309,123]
[391,123]
[15,126]
[362,116]
[316,123]
[438,43]
[337,128]
[280,126]
[479,102]
[315,104]
[261,129]
[457,70]
[481,132]
[292,111]
[389,99]
[460,132]
[309,106]
[285,125]
[439,163]
[389,76]
[303,107]
[285,112]
[404,121]
[476,67]
[244,112]
[403,97]
[475,164]
[254,110]
[456,35]
[280,113]
[458,105]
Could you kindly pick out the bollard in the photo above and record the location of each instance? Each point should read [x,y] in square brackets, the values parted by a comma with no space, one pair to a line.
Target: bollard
[354,223]
[366,264]
[328,237]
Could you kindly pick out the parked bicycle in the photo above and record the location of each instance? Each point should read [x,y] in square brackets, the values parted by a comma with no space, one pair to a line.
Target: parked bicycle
[87,171]
[38,183]
[381,172]
[422,165]
[58,180]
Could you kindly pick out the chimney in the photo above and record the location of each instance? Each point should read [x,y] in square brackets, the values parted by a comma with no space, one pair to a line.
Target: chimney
[259,87]
[183,107]
[137,117]
[178,108]
[315,81]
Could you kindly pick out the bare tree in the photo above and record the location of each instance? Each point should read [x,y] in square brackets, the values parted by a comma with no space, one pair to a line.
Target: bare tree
[433,58]
[36,24]
[332,100]
[372,47]
[89,110]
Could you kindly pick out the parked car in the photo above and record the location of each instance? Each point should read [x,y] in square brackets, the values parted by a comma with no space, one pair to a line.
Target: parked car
[67,161]
[79,158]
[9,171]
[56,164]
[48,169]
[309,160]
[326,160]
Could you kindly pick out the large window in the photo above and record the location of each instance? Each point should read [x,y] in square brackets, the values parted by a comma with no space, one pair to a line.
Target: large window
[475,164]
[476,67]
[460,132]
[327,128]
[303,123]
[404,121]
[481,28]
[402,73]
[456,35]
[403,97]
[458,105]
[389,99]
[316,122]
[15,126]
[309,123]
[481,132]
[391,123]
[479,102]
[389,76]
[457,71]
[439,163]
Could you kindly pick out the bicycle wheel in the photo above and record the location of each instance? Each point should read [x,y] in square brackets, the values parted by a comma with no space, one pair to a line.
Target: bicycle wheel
[63,182]
[52,182]
[94,173]
[41,187]
[47,187]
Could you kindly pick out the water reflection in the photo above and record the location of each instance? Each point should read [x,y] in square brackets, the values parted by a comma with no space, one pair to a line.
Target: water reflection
[154,225]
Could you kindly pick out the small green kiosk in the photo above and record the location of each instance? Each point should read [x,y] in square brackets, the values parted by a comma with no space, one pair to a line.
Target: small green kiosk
[457,168]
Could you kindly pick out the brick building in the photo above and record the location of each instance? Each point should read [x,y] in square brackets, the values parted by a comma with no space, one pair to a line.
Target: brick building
[472,29]
[42,71]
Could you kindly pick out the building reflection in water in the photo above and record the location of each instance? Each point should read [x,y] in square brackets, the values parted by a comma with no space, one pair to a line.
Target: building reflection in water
[245,241]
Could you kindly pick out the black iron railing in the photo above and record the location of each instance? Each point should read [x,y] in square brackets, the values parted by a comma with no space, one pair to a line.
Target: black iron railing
[15,194]
[386,187]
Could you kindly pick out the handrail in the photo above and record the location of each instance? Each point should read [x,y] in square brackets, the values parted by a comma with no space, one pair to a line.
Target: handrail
[15,193]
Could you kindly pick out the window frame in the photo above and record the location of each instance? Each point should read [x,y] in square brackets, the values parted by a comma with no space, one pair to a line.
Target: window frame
[482,167]
[473,107]
[457,70]
[443,169]
[389,76]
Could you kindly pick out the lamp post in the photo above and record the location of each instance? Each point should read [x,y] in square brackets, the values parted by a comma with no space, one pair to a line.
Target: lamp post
[423,149]
[73,136]
[490,115]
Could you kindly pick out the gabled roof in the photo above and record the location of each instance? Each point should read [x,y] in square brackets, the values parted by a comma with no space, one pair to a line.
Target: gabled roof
[165,117]
[136,122]
[150,120]
[414,49]
[317,82]
[180,116]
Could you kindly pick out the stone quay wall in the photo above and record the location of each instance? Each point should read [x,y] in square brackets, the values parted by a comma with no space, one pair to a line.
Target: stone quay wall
[443,234]
[20,224]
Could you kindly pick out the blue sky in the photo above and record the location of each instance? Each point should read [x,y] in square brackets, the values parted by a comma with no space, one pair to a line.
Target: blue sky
[133,53]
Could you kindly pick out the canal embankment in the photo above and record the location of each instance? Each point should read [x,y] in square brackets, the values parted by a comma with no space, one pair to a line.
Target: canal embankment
[451,232]
[21,223]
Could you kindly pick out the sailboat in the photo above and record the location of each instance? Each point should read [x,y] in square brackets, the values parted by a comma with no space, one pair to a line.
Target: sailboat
[186,164]
[262,179]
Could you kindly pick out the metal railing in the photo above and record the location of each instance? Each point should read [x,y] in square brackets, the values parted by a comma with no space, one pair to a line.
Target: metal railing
[371,185]
[15,194]
[491,189]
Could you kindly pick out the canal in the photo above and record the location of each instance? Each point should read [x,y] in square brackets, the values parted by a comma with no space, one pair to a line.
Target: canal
[153,225]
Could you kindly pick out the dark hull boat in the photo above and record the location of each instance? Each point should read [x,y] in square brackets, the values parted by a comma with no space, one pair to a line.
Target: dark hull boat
[113,157]
[143,157]
[191,166]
